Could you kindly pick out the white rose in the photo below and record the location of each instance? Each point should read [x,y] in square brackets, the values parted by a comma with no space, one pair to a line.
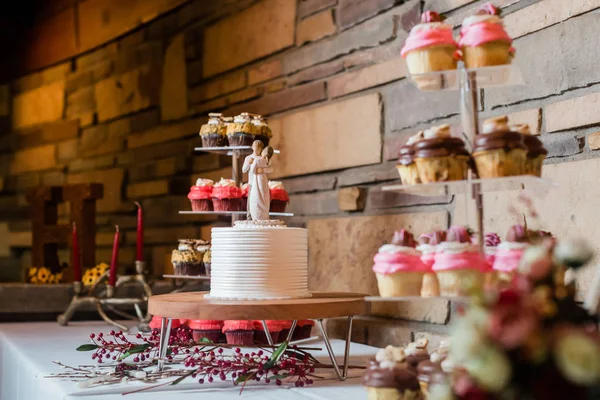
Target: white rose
[490,368]
[578,357]
[441,392]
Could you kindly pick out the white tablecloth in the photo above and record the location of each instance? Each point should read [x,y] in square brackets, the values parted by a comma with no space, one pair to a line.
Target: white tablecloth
[28,349]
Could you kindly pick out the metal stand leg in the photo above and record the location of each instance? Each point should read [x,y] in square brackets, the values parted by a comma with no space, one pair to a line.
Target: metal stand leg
[291,332]
[343,374]
[267,333]
[163,344]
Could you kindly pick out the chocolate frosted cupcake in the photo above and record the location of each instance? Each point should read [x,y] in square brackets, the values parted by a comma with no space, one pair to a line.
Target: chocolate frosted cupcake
[214,133]
[416,352]
[498,151]
[262,131]
[388,378]
[407,168]
[206,260]
[441,157]
[187,258]
[241,131]
[536,153]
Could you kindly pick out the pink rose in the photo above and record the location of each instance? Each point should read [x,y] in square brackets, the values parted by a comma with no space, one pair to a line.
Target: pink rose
[511,324]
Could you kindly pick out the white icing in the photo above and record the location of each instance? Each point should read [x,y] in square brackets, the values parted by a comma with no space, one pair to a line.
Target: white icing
[393,248]
[523,129]
[225,182]
[415,138]
[275,185]
[214,119]
[204,182]
[429,26]
[242,118]
[257,224]
[447,365]
[512,245]
[259,121]
[437,357]
[493,125]
[183,247]
[442,131]
[475,19]
[427,248]
[259,262]
[456,247]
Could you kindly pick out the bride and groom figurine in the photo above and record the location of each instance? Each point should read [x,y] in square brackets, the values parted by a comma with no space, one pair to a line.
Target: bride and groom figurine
[258,165]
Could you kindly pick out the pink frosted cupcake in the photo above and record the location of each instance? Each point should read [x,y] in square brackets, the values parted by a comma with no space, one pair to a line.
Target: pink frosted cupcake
[492,240]
[430,46]
[303,329]
[398,267]
[245,188]
[275,327]
[483,40]
[458,264]
[156,321]
[200,195]
[510,252]
[279,196]
[226,196]
[428,247]
[239,333]
[206,328]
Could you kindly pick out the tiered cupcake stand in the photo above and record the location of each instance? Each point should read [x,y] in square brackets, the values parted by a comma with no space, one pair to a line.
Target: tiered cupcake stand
[469,82]
[197,305]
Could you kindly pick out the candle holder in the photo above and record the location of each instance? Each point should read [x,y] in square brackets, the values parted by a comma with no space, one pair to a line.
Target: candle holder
[102,296]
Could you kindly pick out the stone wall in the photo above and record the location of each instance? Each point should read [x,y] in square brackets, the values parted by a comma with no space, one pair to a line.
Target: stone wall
[329,75]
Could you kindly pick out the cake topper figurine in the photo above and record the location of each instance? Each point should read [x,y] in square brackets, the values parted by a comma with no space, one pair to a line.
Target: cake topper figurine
[257,148]
[259,195]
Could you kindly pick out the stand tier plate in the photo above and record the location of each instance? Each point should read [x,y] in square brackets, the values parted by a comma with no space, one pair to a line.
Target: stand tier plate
[194,305]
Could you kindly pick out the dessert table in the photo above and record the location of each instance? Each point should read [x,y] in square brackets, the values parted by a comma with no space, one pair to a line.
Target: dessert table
[27,352]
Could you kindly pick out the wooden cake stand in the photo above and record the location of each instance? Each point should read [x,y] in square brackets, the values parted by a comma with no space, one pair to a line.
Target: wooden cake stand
[195,305]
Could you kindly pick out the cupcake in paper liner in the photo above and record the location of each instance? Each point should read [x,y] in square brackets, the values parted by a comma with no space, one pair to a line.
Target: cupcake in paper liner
[407,168]
[428,247]
[430,46]
[261,129]
[536,153]
[303,329]
[509,253]
[273,326]
[239,333]
[214,132]
[279,197]
[245,190]
[415,352]
[388,377]
[498,151]
[427,369]
[227,196]
[483,40]
[200,195]
[398,267]
[156,323]
[459,266]
[206,259]
[241,132]
[206,328]
[441,157]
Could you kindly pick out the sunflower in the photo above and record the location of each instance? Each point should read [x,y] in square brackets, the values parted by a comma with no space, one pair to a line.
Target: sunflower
[43,274]
[92,275]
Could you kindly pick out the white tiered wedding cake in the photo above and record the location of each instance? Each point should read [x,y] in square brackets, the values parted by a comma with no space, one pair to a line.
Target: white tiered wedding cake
[259,258]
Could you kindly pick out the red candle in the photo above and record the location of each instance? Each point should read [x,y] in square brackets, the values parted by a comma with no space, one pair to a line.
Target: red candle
[140,234]
[112,277]
[76,257]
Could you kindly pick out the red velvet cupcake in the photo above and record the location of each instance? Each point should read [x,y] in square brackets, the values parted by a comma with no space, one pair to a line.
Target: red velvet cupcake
[245,188]
[156,322]
[206,328]
[274,327]
[287,325]
[279,197]
[239,332]
[303,329]
[226,196]
[200,195]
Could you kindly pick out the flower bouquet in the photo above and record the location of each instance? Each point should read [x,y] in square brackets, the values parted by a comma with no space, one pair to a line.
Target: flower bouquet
[530,340]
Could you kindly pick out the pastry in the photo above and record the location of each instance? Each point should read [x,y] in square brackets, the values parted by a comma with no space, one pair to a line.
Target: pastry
[498,151]
[245,188]
[226,196]
[156,321]
[483,40]
[274,327]
[428,369]
[200,195]
[262,131]
[214,133]
[206,261]
[241,131]
[428,247]
[536,153]
[389,378]
[240,333]
[458,264]
[303,329]
[187,258]
[416,352]
[407,168]
[430,46]
[206,328]
[441,157]
[398,267]
[279,197]
[510,252]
